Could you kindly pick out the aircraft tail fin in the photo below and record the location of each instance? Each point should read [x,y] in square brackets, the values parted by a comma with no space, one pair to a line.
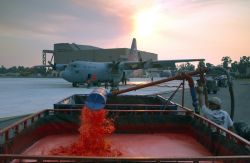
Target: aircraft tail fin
[133,50]
[134,54]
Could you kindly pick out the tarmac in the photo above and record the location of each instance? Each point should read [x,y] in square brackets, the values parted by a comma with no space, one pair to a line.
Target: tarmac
[25,96]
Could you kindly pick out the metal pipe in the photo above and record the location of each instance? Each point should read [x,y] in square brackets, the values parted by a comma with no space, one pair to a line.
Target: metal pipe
[182,76]
[171,97]
[183,93]
[193,92]
[203,84]
[177,77]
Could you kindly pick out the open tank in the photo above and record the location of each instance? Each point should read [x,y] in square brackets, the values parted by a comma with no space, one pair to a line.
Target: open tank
[140,135]
[151,133]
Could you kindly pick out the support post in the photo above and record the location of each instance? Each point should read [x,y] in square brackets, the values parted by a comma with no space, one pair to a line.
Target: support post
[183,93]
[44,58]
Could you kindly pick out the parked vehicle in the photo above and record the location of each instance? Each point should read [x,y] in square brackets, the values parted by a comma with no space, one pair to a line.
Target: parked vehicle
[222,81]
[212,85]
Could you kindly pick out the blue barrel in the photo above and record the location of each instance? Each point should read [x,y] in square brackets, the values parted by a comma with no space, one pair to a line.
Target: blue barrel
[97,99]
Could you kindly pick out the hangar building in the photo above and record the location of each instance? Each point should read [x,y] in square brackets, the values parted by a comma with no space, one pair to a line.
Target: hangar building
[65,53]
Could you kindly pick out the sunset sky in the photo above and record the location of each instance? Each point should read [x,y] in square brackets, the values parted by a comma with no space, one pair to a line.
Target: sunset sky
[174,29]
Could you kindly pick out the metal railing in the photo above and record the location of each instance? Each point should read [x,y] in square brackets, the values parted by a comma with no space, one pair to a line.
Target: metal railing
[11,131]
[39,159]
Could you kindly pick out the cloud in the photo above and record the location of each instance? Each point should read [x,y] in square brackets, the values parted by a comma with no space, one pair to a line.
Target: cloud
[192,26]
[118,8]
[71,24]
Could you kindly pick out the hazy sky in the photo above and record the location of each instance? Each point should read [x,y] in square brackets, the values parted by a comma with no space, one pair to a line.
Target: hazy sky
[174,29]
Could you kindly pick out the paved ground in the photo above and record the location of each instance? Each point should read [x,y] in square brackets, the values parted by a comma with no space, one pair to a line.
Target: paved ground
[22,96]
[241,90]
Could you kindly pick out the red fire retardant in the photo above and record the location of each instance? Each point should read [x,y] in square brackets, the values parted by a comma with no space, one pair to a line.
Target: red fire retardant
[95,126]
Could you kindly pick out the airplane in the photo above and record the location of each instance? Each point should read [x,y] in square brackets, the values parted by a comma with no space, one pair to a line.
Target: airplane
[81,72]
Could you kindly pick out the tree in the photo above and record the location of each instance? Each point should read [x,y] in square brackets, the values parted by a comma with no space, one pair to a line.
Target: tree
[186,67]
[234,66]
[3,70]
[244,63]
[201,64]
[226,61]
[13,69]
[209,65]
[24,71]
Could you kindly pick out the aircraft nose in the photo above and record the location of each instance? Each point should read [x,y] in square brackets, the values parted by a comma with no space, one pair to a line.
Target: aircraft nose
[65,75]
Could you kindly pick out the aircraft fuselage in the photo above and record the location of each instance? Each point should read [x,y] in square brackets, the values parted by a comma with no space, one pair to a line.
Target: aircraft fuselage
[80,71]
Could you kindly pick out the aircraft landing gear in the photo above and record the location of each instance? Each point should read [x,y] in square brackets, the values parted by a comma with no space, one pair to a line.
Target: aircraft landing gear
[114,86]
[75,84]
[114,89]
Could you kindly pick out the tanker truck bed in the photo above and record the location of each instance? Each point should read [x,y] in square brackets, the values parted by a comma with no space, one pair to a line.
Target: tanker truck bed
[143,133]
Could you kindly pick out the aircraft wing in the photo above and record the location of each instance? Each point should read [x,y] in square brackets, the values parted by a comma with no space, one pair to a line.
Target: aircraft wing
[132,65]
[168,63]
[155,64]
[40,66]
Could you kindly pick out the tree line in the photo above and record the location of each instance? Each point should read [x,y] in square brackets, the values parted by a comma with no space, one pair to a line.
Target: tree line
[23,71]
[239,69]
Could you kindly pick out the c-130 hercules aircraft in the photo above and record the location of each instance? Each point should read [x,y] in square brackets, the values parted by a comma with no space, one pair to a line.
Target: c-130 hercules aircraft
[81,72]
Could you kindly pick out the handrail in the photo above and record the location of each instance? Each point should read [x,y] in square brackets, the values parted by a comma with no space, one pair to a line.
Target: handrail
[5,132]
[146,105]
[150,111]
[40,158]
[38,114]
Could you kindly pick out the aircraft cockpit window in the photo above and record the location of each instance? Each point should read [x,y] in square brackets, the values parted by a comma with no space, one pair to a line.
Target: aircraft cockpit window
[74,66]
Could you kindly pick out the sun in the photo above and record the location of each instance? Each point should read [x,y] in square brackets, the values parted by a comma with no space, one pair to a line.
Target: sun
[146,23]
